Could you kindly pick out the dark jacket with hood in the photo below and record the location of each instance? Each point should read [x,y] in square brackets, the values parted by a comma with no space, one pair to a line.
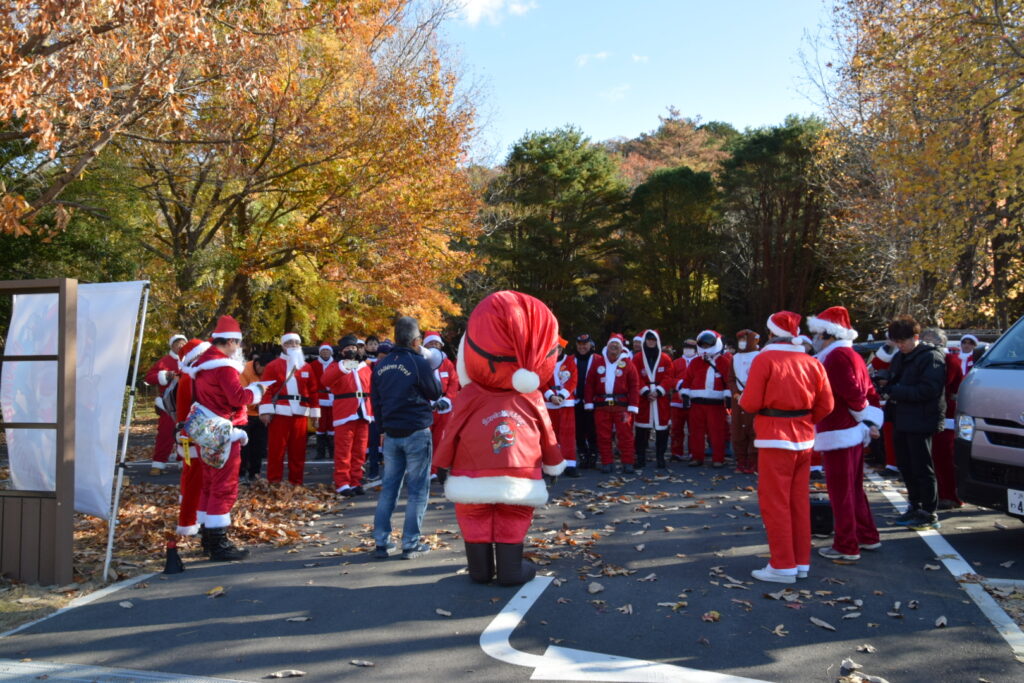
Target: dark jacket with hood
[916,391]
[403,387]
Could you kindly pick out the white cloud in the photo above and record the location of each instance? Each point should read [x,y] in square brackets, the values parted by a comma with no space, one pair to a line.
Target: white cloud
[583,60]
[615,93]
[475,11]
[641,59]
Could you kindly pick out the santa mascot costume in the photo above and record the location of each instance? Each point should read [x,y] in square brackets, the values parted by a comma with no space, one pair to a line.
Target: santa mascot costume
[499,442]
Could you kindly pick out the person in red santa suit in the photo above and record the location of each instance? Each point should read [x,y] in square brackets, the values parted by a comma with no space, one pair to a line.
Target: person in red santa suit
[349,381]
[789,392]
[325,424]
[286,406]
[560,400]
[968,343]
[709,399]
[840,438]
[500,441]
[448,376]
[163,375]
[612,391]
[189,516]
[217,389]
[681,413]
[878,368]
[942,442]
[742,423]
[654,368]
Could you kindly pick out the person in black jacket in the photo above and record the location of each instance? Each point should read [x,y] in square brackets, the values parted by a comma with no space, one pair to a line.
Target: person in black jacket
[915,405]
[402,389]
[586,432]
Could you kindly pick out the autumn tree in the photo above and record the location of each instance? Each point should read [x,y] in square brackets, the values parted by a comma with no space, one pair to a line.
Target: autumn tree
[550,221]
[76,74]
[928,97]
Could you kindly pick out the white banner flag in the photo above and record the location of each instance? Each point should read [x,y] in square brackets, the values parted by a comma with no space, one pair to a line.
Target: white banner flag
[107,317]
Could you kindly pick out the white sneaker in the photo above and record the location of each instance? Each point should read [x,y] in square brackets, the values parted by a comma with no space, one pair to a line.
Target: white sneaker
[830,553]
[772,575]
[801,573]
[870,546]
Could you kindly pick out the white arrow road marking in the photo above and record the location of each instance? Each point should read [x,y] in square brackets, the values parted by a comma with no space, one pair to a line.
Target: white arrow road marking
[567,664]
[963,572]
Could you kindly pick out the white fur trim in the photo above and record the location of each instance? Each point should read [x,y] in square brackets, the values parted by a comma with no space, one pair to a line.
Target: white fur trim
[782,445]
[433,338]
[570,463]
[159,403]
[218,521]
[706,393]
[257,392]
[176,337]
[779,332]
[157,465]
[214,364]
[525,381]
[840,438]
[291,336]
[816,324]
[785,347]
[510,490]
[460,363]
[714,350]
[201,517]
[872,414]
[187,530]
[886,357]
[239,435]
[554,470]
[633,409]
[199,350]
[588,406]
[325,346]
[164,377]
[969,337]
[227,335]
[267,409]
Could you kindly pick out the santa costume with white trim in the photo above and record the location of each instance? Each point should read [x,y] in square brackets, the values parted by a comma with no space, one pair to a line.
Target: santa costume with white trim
[613,393]
[654,368]
[289,402]
[789,392]
[681,413]
[189,515]
[705,387]
[560,400]
[841,436]
[500,442]
[448,376]
[218,389]
[741,427]
[162,376]
[348,380]
[324,425]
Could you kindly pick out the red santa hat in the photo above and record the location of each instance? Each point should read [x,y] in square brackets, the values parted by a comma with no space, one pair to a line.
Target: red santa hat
[290,336]
[966,337]
[227,328]
[510,342]
[785,324]
[192,349]
[325,345]
[176,337]
[834,321]
[616,337]
[432,337]
[639,338]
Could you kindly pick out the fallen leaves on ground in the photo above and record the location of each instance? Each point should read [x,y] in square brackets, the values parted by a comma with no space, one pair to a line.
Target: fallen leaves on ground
[287,673]
[823,624]
[362,662]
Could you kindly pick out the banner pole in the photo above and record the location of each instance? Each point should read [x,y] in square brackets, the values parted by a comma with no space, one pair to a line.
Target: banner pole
[112,520]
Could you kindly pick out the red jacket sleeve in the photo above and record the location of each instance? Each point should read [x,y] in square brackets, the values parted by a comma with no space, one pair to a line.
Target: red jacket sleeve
[823,401]
[273,372]
[632,388]
[590,384]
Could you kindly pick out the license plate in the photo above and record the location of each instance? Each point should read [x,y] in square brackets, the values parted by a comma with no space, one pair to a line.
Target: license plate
[1015,501]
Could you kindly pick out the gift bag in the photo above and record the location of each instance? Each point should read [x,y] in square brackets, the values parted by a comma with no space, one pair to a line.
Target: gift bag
[212,433]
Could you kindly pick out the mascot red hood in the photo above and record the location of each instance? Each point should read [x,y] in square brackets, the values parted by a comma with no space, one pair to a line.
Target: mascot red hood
[499,442]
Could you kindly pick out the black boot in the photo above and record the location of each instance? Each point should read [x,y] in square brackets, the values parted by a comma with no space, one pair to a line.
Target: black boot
[321,446]
[643,435]
[513,570]
[222,549]
[204,539]
[480,558]
[660,447]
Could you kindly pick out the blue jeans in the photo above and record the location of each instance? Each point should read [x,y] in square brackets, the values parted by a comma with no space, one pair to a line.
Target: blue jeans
[405,457]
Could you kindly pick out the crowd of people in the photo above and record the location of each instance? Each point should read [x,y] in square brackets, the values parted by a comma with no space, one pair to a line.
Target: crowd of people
[798,408]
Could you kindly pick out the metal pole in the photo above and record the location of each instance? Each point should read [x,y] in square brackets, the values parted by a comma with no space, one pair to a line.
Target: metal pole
[112,521]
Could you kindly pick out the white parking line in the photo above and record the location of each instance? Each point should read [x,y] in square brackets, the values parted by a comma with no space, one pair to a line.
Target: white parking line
[963,572]
[11,670]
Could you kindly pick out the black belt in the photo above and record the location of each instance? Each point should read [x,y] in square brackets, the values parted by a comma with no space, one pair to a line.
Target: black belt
[288,397]
[773,412]
[355,394]
[708,401]
[324,391]
[612,400]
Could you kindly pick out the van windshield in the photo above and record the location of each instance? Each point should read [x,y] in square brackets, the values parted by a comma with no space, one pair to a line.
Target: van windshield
[1008,350]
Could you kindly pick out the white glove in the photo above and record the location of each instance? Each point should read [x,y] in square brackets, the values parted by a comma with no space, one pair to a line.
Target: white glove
[257,391]
[443,406]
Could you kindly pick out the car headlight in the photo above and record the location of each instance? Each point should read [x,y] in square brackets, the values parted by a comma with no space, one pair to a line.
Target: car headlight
[965,427]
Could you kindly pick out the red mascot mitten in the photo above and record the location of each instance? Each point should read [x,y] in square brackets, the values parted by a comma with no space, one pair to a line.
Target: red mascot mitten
[499,443]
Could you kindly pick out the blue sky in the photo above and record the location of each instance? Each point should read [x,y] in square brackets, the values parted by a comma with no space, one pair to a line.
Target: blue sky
[611,67]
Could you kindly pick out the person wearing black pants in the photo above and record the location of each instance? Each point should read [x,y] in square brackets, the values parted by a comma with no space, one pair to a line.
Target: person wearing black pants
[254,452]
[915,404]
[586,432]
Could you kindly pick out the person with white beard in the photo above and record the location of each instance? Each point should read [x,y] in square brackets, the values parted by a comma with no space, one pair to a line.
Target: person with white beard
[286,406]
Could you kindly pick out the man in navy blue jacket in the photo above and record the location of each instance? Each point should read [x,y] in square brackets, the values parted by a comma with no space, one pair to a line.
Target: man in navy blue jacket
[402,389]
